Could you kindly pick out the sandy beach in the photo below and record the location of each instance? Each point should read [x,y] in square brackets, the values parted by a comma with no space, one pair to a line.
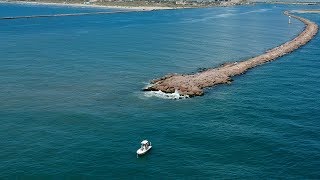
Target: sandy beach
[142,8]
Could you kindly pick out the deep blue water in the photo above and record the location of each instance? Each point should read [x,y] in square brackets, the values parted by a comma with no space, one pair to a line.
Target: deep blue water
[71,104]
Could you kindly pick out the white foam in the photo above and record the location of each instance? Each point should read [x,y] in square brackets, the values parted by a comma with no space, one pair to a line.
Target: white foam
[163,95]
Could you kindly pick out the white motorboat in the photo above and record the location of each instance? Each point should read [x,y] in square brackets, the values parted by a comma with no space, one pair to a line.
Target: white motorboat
[145,147]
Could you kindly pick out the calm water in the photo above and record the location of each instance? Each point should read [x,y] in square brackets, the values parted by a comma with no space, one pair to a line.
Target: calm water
[71,105]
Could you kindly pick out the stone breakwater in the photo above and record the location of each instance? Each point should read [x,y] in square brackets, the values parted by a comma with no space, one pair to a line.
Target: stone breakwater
[193,84]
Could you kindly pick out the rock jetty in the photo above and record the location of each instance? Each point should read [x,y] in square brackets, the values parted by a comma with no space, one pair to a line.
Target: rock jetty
[193,84]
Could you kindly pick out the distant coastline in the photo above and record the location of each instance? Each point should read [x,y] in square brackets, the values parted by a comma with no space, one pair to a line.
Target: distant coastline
[308,11]
[133,5]
[146,8]
[289,3]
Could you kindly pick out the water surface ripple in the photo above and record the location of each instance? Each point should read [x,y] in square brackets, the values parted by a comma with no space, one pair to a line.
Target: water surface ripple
[71,105]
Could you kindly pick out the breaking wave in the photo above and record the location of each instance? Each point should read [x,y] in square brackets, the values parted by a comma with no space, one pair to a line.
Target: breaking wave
[163,95]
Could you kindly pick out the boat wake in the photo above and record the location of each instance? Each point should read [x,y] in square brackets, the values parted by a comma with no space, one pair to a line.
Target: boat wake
[160,94]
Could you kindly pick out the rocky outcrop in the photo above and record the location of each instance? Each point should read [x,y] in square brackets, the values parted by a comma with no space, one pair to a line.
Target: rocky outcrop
[193,84]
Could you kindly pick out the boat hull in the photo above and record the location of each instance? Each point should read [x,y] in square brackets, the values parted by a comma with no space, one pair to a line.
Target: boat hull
[141,152]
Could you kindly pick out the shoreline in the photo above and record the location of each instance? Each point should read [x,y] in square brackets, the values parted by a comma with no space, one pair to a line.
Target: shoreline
[141,8]
[193,84]
[132,5]
[315,11]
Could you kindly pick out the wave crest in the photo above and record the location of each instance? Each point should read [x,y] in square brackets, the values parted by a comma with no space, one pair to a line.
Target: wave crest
[164,95]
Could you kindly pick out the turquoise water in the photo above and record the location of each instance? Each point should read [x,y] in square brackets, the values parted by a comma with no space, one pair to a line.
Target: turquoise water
[72,106]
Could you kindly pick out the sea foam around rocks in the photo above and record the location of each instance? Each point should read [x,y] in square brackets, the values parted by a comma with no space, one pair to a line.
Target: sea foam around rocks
[163,95]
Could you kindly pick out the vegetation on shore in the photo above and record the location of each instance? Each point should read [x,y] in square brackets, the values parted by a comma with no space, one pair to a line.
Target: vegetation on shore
[144,3]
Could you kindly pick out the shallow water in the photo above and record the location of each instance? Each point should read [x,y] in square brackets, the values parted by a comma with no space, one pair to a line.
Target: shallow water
[72,105]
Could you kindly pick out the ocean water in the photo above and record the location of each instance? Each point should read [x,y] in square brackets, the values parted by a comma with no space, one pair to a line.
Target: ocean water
[71,104]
